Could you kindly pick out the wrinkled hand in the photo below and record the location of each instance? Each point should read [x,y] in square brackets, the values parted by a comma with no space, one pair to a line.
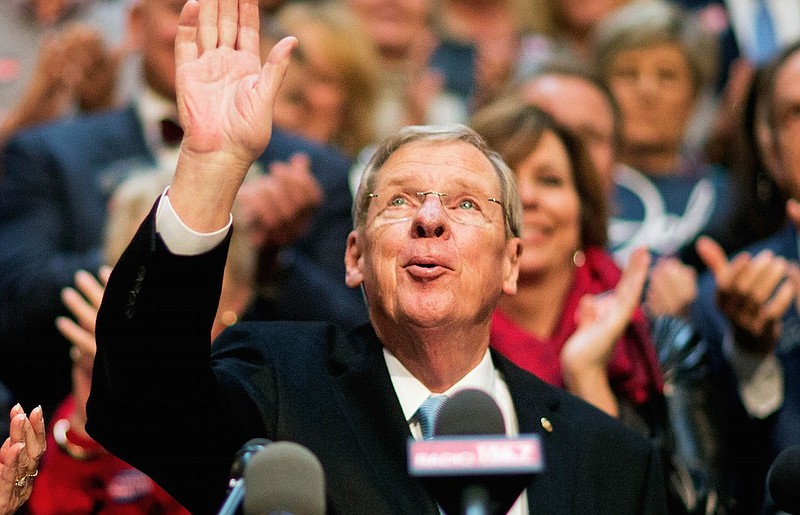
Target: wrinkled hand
[277,207]
[19,458]
[672,288]
[752,292]
[225,100]
[602,319]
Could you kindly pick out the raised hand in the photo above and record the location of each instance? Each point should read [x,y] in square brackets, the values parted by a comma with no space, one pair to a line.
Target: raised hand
[752,293]
[602,319]
[19,458]
[83,301]
[225,99]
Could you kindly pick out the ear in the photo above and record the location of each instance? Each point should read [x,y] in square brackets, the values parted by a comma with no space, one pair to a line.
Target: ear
[352,261]
[511,265]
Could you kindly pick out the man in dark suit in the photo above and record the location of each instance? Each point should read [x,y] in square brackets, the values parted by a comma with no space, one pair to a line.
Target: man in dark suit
[436,244]
[747,310]
[53,197]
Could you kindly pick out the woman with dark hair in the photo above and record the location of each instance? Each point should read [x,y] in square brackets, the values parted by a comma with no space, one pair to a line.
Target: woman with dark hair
[567,278]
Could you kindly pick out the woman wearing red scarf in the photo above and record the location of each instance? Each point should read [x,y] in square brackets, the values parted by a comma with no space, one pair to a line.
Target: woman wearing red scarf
[575,321]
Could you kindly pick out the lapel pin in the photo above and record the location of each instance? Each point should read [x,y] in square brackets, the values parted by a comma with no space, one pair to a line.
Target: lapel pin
[547,425]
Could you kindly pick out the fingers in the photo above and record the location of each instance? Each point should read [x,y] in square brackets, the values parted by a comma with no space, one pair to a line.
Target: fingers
[84,312]
[793,210]
[712,255]
[82,339]
[10,471]
[275,67]
[186,49]
[207,29]
[228,23]
[630,286]
[34,438]
[249,34]
[90,287]
[104,273]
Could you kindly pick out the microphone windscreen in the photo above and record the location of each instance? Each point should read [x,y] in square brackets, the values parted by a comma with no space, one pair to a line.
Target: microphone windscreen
[242,457]
[284,477]
[783,480]
[470,412]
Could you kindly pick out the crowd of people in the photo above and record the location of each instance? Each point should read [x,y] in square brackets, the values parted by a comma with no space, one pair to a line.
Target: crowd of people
[259,218]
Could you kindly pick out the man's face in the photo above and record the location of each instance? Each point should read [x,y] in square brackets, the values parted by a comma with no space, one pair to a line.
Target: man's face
[429,261]
[583,109]
[394,25]
[155,23]
[653,86]
[786,100]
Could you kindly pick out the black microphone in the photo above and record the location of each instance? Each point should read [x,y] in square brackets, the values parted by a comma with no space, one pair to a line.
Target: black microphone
[783,480]
[236,485]
[284,478]
[471,466]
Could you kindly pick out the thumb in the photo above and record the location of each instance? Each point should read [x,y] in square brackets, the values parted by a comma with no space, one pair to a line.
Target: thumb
[793,210]
[275,67]
[712,255]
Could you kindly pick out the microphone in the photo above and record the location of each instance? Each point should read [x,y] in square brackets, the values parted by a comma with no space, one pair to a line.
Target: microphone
[783,480]
[284,478]
[471,466]
[236,484]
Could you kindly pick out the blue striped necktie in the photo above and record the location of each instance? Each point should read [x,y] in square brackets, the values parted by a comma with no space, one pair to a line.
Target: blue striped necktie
[428,412]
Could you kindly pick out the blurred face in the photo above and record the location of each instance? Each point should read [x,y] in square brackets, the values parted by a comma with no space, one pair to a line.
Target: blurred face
[155,23]
[312,99]
[787,115]
[551,207]
[654,89]
[394,25]
[582,15]
[48,11]
[430,261]
[583,109]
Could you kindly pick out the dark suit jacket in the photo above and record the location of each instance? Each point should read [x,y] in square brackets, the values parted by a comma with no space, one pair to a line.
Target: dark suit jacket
[754,443]
[169,405]
[57,181]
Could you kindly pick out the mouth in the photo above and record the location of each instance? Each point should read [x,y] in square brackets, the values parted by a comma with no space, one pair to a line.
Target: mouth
[425,268]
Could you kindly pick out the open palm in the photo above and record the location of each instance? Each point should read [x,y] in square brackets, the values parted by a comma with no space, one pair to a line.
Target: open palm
[225,96]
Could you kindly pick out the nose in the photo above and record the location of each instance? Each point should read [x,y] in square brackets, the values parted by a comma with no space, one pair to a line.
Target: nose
[431,219]
[528,193]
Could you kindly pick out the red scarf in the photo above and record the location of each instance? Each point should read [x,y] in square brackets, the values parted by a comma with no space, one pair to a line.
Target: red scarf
[633,370]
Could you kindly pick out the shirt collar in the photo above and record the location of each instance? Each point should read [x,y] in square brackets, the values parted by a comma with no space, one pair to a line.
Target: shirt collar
[152,108]
[411,392]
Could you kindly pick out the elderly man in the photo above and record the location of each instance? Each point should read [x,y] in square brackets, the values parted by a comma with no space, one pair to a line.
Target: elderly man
[434,247]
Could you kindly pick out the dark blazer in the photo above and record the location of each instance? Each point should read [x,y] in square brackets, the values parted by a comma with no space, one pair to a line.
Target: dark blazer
[754,443]
[169,405]
[57,181]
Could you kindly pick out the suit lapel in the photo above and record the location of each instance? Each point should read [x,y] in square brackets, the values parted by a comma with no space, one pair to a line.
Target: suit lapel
[370,407]
[537,405]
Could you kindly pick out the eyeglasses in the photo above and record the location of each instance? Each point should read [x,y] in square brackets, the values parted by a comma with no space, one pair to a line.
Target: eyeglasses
[465,207]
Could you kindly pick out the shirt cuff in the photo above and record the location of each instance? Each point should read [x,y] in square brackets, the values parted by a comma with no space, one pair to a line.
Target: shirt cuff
[179,238]
[760,379]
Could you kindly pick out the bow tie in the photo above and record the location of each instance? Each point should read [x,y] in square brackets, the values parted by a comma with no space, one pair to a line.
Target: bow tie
[171,132]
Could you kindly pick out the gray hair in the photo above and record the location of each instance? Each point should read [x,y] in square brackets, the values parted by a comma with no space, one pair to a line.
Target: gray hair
[512,206]
[650,22]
